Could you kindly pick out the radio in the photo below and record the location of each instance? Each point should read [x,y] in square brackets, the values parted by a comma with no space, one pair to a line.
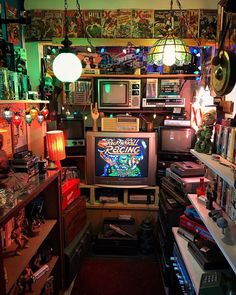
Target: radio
[122,123]
[152,102]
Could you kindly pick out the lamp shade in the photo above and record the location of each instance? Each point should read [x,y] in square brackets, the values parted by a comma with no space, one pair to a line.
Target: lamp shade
[168,51]
[67,67]
[55,145]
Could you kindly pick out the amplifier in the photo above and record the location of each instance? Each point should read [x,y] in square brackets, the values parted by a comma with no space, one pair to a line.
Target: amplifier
[122,123]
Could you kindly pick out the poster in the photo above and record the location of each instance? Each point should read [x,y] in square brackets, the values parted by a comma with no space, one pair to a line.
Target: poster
[35,31]
[161,22]
[192,17]
[53,24]
[124,23]
[92,20]
[142,23]
[109,23]
[208,24]
[13,29]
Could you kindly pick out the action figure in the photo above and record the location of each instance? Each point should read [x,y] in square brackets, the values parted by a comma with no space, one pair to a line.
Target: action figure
[18,236]
[26,279]
[210,198]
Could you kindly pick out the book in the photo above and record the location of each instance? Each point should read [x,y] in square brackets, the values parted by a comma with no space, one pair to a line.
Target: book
[109,23]
[92,21]
[231,144]
[124,23]
[142,23]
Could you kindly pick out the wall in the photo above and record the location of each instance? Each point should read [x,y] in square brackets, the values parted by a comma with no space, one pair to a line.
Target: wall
[104,4]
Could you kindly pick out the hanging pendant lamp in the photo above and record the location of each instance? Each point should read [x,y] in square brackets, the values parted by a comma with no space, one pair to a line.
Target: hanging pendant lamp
[67,66]
[170,50]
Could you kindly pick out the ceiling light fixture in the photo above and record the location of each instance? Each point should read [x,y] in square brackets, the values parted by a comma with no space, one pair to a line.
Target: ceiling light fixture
[67,66]
[170,50]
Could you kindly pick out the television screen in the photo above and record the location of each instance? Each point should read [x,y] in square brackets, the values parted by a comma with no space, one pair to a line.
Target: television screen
[123,159]
[114,93]
[176,139]
[73,128]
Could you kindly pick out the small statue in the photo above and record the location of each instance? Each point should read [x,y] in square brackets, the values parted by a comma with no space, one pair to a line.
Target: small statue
[204,133]
[26,280]
[94,115]
[210,198]
[18,235]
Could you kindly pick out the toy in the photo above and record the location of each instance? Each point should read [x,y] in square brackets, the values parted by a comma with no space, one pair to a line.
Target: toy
[204,133]
[26,280]
[18,235]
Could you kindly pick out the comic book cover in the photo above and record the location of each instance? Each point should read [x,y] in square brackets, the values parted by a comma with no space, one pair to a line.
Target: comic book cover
[192,16]
[161,22]
[53,24]
[124,23]
[109,23]
[142,23]
[36,30]
[80,24]
[180,26]
[13,29]
[208,24]
[92,20]
[72,23]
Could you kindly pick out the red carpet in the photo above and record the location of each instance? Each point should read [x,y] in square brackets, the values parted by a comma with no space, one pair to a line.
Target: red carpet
[118,277]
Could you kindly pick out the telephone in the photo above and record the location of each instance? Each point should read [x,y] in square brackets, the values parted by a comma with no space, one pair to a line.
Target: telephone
[218,283]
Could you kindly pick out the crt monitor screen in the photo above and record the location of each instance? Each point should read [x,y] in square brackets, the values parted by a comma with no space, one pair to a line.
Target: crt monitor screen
[121,157]
[176,140]
[72,128]
[114,93]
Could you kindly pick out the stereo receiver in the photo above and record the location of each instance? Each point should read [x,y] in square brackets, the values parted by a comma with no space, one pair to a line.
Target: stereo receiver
[122,123]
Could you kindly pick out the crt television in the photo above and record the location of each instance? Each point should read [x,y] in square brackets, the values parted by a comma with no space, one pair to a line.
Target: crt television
[175,140]
[121,159]
[119,93]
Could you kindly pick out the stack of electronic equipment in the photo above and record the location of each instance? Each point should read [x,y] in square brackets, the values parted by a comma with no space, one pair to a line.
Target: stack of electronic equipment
[181,179]
[77,230]
[25,162]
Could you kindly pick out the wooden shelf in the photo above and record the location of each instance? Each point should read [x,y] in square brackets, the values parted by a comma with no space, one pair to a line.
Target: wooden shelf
[223,171]
[229,251]
[39,284]
[16,264]
[194,270]
[121,206]
[160,76]
[124,41]
[23,101]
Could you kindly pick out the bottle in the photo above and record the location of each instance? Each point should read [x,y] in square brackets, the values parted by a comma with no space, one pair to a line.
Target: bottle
[201,190]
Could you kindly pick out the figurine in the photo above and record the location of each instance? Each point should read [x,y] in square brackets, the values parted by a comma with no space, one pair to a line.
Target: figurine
[26,279]
[95,116]
[210,198]
[18,236]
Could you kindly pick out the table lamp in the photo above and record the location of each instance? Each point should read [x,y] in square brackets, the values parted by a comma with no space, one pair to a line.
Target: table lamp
[55,148]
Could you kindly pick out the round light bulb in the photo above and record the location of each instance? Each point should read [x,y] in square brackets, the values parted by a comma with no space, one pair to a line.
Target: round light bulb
[67,67]
[169,55]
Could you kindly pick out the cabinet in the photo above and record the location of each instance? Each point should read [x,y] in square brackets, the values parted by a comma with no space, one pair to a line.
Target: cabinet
[48,189]
[98,210]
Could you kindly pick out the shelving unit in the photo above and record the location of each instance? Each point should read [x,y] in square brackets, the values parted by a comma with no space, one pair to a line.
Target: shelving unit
[97,211]
[92,200]
[227,246]
[222,170]
[46,187]
[194,270]
[229,251]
